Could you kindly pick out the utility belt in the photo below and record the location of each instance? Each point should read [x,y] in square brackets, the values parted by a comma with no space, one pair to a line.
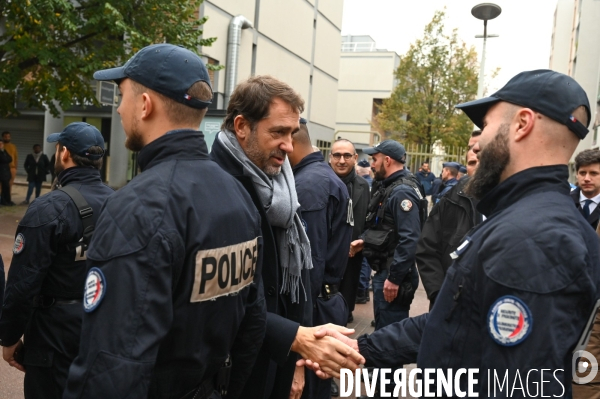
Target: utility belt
[45,301]
[219,383]
[328,291]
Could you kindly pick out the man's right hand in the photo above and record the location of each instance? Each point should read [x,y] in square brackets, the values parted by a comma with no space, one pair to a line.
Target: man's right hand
[355,247]
[10,352]
[329,353]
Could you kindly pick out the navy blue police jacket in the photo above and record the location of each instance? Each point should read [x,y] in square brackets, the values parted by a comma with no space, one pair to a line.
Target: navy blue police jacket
[44,263]
[408,228]
[323,201]
[516,299]
[283,316]
[177,255]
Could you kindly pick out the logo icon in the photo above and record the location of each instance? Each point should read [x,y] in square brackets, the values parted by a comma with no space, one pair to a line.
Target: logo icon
[585,367]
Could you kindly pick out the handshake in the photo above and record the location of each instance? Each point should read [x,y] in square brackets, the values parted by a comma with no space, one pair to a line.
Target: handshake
[326,349]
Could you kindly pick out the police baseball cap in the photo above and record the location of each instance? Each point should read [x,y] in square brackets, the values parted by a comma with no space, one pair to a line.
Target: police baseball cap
[463,170]
[165,68]
[453,165]
[391,148]
[548,92]
[79,137]
[364,164]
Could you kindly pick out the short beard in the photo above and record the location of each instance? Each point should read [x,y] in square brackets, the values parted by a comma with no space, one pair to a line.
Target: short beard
[493,159]
[258,157]
[134,140]
[58,166]
[379,174]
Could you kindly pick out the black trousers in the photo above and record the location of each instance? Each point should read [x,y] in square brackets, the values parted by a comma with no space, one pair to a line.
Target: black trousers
[349,284]
[5,199]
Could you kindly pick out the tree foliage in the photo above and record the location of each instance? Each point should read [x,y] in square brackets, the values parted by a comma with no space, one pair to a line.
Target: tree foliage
[49,49]
[437,73]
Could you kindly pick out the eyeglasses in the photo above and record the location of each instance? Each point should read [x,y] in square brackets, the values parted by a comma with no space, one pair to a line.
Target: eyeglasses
[346,156]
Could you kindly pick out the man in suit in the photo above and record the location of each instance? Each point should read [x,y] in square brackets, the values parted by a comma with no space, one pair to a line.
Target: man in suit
[587,195]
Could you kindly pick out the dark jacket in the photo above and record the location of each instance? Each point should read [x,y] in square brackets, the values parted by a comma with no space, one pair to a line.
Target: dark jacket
[180,249]
[323,201]
[5,160]
[2,282]
[37,171]
[47,266]
[402,207]
[446,186]
[283,316]
[534,250]
[447,224]
[594,216]
[426,180]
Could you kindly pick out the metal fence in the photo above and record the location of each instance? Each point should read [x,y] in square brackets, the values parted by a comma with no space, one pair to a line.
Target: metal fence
[436,155]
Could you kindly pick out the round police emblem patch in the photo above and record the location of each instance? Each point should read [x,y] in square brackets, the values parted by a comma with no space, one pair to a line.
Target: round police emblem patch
[95,288]
[509,321]
[406,205]
[19,244]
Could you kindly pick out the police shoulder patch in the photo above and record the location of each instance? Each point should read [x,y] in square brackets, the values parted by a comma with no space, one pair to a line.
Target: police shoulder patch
[19,244]
[94,290]
[509,321]
[406,205]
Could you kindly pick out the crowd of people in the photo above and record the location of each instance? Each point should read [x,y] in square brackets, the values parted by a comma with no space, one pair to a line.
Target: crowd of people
[234,273]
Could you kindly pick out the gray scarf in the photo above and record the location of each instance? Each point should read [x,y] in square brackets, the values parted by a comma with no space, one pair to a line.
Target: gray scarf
[280,201]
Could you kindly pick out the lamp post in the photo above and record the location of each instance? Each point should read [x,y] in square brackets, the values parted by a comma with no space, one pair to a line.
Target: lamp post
[484,11]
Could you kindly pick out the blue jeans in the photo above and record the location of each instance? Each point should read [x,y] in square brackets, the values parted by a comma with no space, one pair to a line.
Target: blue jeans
[365,276]
[386,313]
[38,189]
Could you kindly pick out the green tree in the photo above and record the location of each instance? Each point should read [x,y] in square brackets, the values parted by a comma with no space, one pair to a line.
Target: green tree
[49,49]
[437,73]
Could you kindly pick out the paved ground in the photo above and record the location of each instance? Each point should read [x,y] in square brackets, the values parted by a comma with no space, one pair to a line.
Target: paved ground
[11,380]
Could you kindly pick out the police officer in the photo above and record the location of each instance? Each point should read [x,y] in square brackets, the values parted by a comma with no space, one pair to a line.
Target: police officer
[449,178]
[524,282]
[47,272]
[393,227]
[324,203]
[173,287]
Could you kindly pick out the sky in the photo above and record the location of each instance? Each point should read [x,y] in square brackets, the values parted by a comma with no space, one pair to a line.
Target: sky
[524,28]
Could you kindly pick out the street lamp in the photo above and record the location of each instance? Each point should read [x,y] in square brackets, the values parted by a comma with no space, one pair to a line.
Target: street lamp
[484,11]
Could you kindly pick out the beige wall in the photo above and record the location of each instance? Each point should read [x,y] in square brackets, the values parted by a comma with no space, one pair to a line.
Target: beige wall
[283,37]
[363,77]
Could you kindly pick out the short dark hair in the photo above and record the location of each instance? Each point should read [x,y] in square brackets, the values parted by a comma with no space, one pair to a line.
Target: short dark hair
[36,145]
[453,171]
[83,161]
[4,133]
[253,97]
[425,162]
[178,112]
[587,157]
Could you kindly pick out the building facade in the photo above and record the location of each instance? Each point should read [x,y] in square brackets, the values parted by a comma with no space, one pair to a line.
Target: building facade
[575,52]
[366,78]
[296,41]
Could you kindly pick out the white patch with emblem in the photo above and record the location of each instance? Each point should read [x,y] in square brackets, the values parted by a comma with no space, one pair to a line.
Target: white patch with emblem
[406,205]
[509,321]
[224,271]
[95,289]
[19,244]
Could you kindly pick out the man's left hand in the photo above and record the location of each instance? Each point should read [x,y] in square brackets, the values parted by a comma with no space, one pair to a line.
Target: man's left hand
[298,381]
[9,353]
[390,290]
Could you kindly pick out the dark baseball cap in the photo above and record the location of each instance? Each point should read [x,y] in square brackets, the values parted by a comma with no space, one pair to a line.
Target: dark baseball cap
[550,93]
[364,164]
[79,137]
[391,148]
[165,68]
[453,165]
[463,170]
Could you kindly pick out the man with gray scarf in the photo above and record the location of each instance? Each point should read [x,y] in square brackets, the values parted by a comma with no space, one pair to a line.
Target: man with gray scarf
[256,137]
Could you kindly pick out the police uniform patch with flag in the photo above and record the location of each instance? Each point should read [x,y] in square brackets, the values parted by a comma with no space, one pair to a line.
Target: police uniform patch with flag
[224,271]
[509,321]
[19,244]
[95,289]
[406,205]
